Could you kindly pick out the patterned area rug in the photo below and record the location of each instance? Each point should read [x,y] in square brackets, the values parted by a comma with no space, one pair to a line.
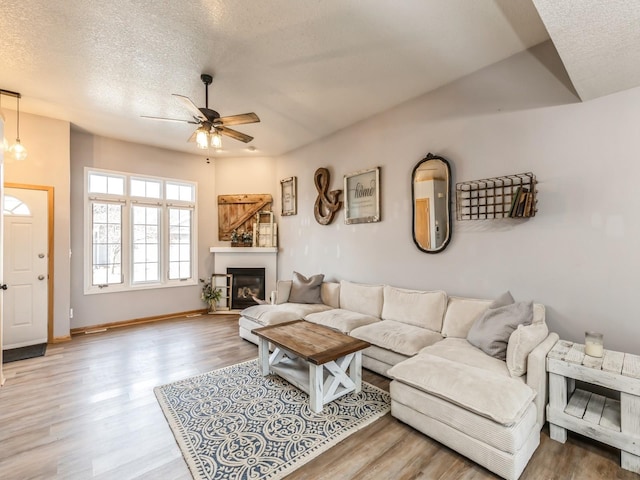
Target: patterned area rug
[233,423]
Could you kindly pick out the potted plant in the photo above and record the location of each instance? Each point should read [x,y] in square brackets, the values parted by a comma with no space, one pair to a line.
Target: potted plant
[210,295]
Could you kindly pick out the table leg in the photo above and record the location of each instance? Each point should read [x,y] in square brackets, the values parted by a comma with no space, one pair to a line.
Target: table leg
[316,383]
[263,356]
[355,371]
[630,425]
[557,403]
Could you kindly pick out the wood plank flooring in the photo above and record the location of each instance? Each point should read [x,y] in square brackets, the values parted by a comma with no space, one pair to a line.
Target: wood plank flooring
[87,411]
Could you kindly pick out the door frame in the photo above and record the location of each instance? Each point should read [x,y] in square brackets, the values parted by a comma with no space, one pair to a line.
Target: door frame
[50,249]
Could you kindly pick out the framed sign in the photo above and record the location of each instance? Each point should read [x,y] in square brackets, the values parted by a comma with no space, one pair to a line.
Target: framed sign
[289,193]
[362,196]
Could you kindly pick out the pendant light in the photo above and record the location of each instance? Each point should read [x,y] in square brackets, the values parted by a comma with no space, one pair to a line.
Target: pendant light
[17,150]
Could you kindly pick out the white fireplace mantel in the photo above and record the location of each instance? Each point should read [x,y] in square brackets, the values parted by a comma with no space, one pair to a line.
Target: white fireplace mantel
[248,257]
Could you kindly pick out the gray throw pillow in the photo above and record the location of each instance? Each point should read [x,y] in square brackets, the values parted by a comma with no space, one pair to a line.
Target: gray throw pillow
[306,290]
[491,330]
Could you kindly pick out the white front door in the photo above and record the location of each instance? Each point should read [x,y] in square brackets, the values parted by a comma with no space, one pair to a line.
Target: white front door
[25,309]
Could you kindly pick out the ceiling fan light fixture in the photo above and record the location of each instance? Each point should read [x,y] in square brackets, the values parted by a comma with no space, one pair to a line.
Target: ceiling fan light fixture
[202,138]
[216,139]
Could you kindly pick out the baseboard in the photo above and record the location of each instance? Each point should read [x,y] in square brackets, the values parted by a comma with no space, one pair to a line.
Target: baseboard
[135,321]
[66,338]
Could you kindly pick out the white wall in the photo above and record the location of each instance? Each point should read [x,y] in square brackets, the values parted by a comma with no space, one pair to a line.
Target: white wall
[47,164]
[579,256]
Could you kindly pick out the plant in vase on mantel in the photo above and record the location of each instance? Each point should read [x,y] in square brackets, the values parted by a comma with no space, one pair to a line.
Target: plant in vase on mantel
[210,295]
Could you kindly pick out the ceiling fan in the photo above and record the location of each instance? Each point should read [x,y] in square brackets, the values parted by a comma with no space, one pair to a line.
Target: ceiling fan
[211,124]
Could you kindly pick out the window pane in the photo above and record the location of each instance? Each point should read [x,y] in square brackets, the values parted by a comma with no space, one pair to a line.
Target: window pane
[145,188]
[97,183]
[176,191]
[146,253]
[106,244]
[102,183]
[180,243]
[115,185]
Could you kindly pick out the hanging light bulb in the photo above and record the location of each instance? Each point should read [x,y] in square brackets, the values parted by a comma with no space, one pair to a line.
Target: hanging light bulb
[216,139]
[18,151]
[202,138]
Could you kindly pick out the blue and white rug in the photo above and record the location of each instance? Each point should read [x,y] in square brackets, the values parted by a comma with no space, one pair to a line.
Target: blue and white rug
[233,423]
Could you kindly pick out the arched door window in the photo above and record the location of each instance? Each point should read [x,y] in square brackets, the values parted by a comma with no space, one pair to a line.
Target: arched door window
[15,206]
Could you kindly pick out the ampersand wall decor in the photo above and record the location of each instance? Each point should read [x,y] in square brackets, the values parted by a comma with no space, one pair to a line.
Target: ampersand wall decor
[327,203]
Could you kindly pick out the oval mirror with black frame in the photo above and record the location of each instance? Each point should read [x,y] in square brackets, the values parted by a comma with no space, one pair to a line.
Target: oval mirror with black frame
[431,198]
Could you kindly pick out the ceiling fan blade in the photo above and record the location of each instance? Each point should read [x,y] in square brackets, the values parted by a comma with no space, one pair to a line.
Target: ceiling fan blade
[235,134]
[163,119]
[193,109]
[239,119]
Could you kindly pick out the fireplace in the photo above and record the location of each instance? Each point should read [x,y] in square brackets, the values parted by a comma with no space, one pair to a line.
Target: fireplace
[246,284]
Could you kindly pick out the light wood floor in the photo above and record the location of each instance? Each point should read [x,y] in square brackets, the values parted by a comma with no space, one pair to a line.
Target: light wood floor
[87,410]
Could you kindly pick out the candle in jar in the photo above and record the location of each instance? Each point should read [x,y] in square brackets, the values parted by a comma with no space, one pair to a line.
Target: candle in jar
[593,349]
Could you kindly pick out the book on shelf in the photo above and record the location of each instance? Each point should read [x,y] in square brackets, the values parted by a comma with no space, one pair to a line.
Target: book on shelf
[528,205]
[515,195]
[522,199]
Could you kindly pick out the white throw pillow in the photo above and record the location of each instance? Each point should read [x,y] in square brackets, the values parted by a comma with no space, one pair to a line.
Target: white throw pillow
[521,343]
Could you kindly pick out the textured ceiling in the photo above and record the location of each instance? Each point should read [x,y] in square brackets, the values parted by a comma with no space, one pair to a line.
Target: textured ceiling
[307,68]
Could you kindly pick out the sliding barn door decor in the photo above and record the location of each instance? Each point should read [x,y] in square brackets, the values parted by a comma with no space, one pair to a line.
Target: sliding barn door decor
[238,213]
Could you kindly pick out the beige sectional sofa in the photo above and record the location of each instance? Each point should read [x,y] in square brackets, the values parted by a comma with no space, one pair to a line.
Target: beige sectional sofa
[488,409]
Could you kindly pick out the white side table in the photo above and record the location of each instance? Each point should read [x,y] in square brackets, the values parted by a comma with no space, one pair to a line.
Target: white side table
[616,423]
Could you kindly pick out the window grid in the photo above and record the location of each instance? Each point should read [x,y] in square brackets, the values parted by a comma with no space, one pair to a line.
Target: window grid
[179,243]
[107,243]
[146,244]
[141,232]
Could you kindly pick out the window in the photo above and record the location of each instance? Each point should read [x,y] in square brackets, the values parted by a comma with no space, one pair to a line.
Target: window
[140,232]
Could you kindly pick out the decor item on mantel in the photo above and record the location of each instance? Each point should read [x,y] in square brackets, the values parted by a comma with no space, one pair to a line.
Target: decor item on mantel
[265,230]
[237,212]
[241,239]
[328,202]
[509,196]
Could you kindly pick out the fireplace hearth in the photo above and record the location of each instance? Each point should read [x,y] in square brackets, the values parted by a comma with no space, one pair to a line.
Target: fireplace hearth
[247,284]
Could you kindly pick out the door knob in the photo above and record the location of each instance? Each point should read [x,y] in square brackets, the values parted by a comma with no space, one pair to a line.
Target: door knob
[40,277]
[4,286]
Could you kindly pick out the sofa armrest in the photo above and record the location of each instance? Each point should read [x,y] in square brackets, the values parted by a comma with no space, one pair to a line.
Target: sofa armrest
[537,373]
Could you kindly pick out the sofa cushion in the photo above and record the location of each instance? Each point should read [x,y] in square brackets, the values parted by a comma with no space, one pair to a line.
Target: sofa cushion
[361,298]
[491,331]
[330,292]
[460,315]
[341,320]
[502,399]
[306,290]
[286,312]
[521,343]
[459,350]
[422,309]
[507,439]
[396,336]
[283,290]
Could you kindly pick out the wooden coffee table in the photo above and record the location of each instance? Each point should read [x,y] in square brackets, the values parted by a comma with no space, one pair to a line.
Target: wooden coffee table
[322,362]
